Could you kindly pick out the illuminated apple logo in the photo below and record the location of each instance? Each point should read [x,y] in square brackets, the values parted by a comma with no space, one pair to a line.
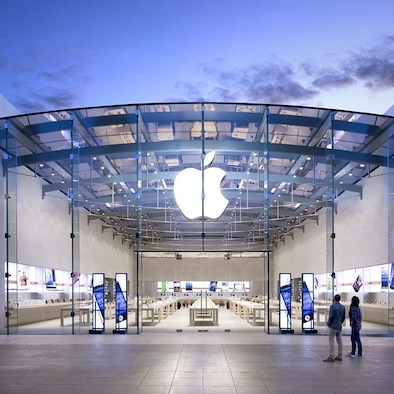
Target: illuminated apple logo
[187,191]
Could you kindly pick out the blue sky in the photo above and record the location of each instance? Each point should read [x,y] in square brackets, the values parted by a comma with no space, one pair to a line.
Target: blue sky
[77,53]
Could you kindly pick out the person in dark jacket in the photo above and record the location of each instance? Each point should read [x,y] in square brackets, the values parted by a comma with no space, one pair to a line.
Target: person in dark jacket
[355,318]
[336,318]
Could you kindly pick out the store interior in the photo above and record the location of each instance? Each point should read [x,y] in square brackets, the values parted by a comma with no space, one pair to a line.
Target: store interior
[93,193]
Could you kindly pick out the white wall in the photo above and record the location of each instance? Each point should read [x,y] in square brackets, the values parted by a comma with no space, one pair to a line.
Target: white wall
[101,253]
[44,227]
[205,269]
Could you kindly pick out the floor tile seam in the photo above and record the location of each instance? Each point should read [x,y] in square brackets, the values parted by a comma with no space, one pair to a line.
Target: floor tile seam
[134,357]
[232,375]
[222,347]
[176,367]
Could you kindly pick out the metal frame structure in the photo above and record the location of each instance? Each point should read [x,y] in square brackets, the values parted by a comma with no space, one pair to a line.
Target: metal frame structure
[283,164]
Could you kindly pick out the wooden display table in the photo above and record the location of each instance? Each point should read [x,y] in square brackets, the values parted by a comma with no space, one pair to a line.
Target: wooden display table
[81,310]
[204,312]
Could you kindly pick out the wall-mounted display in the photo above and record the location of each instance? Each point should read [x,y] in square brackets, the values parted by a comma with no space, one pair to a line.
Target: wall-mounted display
[213,285]
[216,286]
[358,282]
[50,278]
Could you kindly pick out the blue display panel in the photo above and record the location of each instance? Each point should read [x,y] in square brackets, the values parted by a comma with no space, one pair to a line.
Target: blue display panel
[308,302]
[121,301]
[284,301]
[213,285]
[358,282]
[392,277]
[98,312]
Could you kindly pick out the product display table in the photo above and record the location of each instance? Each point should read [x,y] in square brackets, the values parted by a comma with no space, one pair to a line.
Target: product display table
[204,312]
[153,312]
[252,312]
[80,309]
[322,311]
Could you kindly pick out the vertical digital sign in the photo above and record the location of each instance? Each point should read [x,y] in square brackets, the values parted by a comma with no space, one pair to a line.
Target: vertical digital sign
[98,300]
[285,303]
[120,303]
[308,303]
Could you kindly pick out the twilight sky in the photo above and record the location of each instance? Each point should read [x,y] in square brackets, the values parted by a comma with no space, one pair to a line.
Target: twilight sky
[77,53]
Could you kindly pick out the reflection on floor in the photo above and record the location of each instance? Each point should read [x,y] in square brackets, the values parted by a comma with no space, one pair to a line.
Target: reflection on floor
[174,358]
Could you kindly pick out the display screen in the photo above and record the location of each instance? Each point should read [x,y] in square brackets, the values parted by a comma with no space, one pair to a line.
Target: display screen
[213,285]
[121,304]
[239,287]
[392,277]
[98,292]
[384,278]
[285,293]
[177,286]
[50,278]
[189,286]
[307,304]
[358,283]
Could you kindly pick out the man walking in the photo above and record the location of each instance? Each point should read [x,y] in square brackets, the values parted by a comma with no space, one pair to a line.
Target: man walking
[336,318]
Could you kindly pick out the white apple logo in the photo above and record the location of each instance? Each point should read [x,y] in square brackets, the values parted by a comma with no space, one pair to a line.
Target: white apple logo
[188,189]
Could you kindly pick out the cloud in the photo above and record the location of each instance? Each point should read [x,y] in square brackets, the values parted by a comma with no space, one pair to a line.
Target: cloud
[373,67]
[333,79]
[48,98]
[190,90]
[278,82]
[40,81]
[62,74]
[266,82]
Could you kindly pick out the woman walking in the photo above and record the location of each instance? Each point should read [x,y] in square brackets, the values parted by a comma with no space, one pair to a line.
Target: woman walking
[355,323]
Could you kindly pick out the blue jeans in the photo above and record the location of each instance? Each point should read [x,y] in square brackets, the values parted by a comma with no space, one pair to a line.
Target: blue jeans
[355,338]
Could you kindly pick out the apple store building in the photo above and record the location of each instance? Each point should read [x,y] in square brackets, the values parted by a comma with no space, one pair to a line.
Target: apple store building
[127,218]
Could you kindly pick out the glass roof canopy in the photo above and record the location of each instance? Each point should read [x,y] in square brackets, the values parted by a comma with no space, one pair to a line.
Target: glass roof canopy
[119,164]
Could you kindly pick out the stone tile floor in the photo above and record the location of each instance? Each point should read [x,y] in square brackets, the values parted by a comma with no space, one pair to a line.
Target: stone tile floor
[162,360]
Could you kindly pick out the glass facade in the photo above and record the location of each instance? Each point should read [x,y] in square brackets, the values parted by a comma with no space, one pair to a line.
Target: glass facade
[277,170]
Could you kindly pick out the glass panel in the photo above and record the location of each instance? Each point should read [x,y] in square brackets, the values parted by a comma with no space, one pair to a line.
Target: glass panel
[120,170]
[77,303]
[329,199]
[14,279]
[139,228]
[390,265]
